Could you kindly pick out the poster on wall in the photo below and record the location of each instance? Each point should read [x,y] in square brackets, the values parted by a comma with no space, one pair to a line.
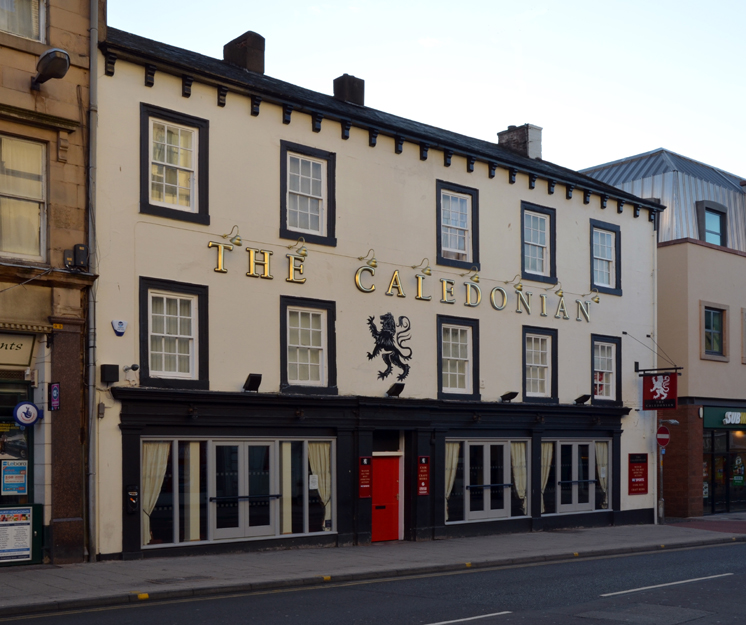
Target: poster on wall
[15,534]
[423,475]
[638,474]
[366,477]
[14,477]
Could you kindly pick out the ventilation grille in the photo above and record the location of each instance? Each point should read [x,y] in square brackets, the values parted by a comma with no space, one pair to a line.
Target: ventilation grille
[7,374]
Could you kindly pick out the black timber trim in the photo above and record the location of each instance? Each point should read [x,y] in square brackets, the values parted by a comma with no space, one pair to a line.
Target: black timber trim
[554,373]
[210,71]
[617,341]
[474,325]
[330,210]
[702,207]
[617,232]
[440,186]
[551,214]
[202,127]
[202,360]
[331,345]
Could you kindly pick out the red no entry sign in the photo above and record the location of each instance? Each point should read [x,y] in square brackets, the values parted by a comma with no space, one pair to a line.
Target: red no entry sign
[662,436]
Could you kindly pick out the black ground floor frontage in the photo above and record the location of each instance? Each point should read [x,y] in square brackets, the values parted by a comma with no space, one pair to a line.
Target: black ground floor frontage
[206,471]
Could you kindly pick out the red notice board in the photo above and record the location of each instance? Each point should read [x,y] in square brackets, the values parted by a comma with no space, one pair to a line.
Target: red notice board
[423,475]
[638,474]
[366,477]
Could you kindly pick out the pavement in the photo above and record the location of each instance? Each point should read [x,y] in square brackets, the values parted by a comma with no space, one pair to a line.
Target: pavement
[52,588]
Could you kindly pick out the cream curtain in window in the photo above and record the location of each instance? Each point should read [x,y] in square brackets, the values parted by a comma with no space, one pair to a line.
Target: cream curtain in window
[20,17]
[518,461]
[319,457]
[602,470]
[547,455]
[452,450]
[154,465]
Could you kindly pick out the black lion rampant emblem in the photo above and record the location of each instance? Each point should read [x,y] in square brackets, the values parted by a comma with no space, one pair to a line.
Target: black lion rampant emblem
[389,341]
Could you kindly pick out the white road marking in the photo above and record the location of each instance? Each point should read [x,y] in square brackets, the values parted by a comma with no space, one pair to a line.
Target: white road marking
[470,618]
[686,581]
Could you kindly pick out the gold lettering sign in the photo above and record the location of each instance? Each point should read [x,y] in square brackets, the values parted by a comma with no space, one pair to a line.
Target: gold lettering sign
[420,278]
[561,310]
[584,310]
[447,291]
[523,299]
[221,255]
[395,284]
[472,288]
[295,263]
[358,281]
[543,304]
[254,261]
[502,293]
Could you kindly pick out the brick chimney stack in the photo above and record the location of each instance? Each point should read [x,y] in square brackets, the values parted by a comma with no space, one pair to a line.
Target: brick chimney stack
[350,89]
[524,140]
[246,51]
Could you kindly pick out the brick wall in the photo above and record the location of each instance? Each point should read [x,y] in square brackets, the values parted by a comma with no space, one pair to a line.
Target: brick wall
[682,464]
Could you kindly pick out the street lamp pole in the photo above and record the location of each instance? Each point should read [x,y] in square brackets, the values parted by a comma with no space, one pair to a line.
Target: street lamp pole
[661,453]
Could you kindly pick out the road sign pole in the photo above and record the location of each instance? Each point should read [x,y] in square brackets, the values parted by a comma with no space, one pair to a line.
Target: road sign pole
[661,501]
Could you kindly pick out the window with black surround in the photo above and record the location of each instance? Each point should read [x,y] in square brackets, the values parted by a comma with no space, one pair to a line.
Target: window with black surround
[174,328]
[606,257]
[539,247]
[307,194]
[712,222]
[457,217]
[174,161]
[606,356]
[308,346]
[539,365]
[458,358]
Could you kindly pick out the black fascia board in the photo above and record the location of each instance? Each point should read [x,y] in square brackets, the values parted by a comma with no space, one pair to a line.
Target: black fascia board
[133,48]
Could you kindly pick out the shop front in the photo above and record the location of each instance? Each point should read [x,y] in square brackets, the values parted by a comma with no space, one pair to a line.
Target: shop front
[724,460]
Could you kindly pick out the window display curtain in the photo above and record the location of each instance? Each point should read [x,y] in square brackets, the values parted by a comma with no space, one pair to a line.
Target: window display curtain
[602,462]
[154,465]
[547,455]
[518,461]
[20,17]
[319,457]
[452,450]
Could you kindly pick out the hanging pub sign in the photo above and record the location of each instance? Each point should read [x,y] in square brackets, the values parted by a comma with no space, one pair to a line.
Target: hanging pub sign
[366,474]
[423,475]
[659,391]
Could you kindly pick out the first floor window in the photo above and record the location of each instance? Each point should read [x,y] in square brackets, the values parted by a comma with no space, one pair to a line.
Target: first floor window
[537,365]
[305,346]
[574,476]
[486,479]
[22,18]
[714,331]
[603,370]
[22,198]
[455,362]
[172,337]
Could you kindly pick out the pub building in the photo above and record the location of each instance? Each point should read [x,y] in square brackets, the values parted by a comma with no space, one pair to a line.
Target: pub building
[322,324]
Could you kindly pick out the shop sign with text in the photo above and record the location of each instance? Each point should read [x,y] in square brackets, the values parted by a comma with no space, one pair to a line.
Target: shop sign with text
[16,349]
[659,392]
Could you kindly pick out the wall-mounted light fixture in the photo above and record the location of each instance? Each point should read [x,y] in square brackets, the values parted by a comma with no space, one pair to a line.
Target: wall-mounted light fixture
[53,63]
[252,382]
[508,397]
[300,247]
[427,271]
[132,368]
[396,389]
[579,401]
[372,262]
[235,239]
[516,285]
[475,276]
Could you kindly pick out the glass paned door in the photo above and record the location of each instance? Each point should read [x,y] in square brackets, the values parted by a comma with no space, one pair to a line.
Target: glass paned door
[577,483]
[487,480]
[243,503]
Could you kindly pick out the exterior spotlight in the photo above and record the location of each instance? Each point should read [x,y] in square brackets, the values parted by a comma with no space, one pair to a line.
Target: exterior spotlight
[427,271]
[579,401]
[301,251]
[252,382]
[519,286]
[559,292]
[475,277]
[508,397]
[396,389]
[596,299]
[372,262]
[132,368]
[53,63]
[235,239]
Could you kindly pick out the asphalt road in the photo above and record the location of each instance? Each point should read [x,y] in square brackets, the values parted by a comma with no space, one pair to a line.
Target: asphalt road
[566,593]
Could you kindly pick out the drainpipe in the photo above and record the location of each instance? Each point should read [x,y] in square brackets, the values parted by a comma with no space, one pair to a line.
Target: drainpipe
[93,268]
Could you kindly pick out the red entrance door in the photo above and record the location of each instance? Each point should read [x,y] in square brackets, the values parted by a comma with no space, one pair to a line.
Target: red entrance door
[385,499]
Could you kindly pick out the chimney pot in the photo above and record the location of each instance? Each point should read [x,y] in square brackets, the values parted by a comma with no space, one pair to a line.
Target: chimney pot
[350,89]
[524,140]
[246,51]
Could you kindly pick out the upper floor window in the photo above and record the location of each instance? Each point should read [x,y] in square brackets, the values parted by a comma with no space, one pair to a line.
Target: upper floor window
[714,320]
[22,198]
[538,231]
[606,381]
[23,18]
[307,194]
[539,364]
[606,258]
[712,222]
[173,334]
[714,331]
[308,346]
[457,223]
[174,163]
[458,356]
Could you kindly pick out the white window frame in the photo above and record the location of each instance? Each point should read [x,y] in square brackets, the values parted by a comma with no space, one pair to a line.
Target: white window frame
[41,256]
[324,349]
[547,368]
[452,253]
[611,383]
[322,198]
[598,259]
[42,24]
[545,248]
[194,189]
[469,381]
[193,341]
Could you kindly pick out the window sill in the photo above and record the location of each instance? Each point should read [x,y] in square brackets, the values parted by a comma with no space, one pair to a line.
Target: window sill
[535,277]
[316,239]
[459,396]
[606,402]
[297,389]
[606,290]
[714,357]
[175,213]
[198,385]
[531,399]
[459,264]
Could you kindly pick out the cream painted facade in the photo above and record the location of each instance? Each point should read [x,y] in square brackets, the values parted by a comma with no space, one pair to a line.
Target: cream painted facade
[385,202]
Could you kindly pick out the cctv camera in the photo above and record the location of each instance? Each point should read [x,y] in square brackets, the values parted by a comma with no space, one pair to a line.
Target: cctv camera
[132,368]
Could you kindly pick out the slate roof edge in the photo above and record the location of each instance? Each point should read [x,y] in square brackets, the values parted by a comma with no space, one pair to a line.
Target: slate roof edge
[178,61]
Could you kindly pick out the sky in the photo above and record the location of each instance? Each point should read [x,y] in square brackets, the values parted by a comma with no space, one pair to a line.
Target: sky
[605,79]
